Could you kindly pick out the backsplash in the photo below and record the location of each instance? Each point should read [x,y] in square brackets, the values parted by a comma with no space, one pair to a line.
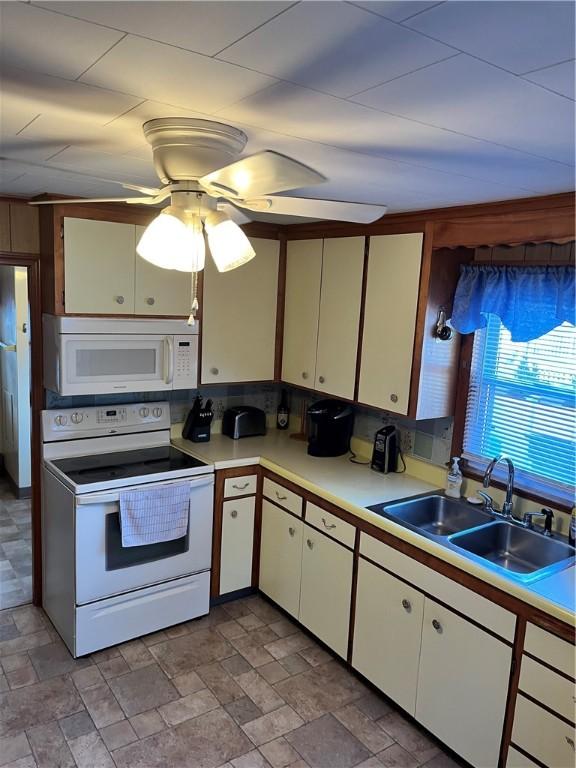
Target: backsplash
[427,440]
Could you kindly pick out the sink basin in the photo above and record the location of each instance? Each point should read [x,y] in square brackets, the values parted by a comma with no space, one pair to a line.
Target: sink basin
[436,515]
[516,550]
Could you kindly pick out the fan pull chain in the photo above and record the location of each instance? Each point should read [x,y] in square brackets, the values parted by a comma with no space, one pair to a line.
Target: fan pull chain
[195,305]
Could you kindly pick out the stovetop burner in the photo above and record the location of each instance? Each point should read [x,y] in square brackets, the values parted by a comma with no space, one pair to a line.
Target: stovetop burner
[82,470]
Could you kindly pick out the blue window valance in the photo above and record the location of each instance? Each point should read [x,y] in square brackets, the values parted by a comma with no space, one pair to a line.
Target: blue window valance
[530,301]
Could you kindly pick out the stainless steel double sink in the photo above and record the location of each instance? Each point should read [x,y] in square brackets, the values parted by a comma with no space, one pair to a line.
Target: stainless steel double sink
[503,546]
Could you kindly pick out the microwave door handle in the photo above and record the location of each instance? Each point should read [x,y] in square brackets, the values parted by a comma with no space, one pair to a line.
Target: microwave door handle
[168,360]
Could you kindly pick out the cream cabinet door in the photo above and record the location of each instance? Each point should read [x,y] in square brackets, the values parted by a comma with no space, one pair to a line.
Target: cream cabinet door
[326,589]
[237,544]
[389,321]
[99,261]
[338,326]
[301,311]
[239,318]
[462,685]
[387,633]
[281,557]
[160,291]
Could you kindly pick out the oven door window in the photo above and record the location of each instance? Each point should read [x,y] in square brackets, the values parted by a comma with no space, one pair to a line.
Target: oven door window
[118,556]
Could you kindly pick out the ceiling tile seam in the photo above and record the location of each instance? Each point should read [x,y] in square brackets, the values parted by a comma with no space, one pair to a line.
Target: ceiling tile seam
[58,152]
[68,171]
[126,112]
[547,88]
[102,55]
[256,28]
[424,10]
[27,124]
[404,74]
[384,112]
[389,18]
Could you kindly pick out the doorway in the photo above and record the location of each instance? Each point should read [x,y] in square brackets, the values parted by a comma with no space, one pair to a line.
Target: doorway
[15,438]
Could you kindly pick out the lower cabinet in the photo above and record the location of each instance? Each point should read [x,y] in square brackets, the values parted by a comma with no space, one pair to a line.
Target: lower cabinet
[462,685]
[387,633]
[237,544]
[326,589]
[281,557]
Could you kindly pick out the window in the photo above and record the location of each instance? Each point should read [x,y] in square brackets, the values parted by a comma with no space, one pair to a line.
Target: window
[521,402]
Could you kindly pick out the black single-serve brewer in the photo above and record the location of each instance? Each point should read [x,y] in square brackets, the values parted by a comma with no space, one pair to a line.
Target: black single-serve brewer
[330,428]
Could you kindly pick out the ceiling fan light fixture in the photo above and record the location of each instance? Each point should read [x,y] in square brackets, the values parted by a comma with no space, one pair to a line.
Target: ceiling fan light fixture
[229,246]
[174,240]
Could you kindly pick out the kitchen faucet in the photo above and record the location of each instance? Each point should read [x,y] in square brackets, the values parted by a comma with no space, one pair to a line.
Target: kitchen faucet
[506,510]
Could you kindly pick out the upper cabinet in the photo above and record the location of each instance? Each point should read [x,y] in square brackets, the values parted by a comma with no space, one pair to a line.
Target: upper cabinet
[391,305]
[160,291]
[239,318]
[322,313]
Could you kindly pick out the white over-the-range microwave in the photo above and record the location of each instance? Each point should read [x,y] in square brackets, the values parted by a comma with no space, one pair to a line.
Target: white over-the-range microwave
[94,356]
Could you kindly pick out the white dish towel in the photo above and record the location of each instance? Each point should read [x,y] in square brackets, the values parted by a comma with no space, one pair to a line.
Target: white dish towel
[151,515]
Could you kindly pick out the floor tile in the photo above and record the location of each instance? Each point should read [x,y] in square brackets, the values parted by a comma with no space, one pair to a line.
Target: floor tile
[85,678]
[102,705]
[49,747]
[365,730]
[272,725]
[184,654]
[279,753]
[118,735]
[222,684]
[13,747]
[213,739]
[147,723]
[189,682]
[273,672]
[373,705]
[143,689]
[409,736]
[136,654]
[231,629]
[38,704]
[25,643]
[90,752]
[21,677]
[253,759]
[261,693]
[112,668]
[193,705]
[315,655]
[295,664]
[243,710]
[235,665]
[76,725]
[53,660]
[249,622]
[286,646]
[326,743]
[397,757]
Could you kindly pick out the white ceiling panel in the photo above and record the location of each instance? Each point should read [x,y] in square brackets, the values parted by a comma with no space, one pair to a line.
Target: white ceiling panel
[519,36]
[162,73]
[477,99]
[398,10]
[42,94]
[107,166]
[559,78]
[334,47]
[205,27]
[35,39]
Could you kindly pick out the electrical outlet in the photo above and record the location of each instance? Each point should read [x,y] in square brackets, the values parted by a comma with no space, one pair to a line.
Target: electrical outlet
[406,440]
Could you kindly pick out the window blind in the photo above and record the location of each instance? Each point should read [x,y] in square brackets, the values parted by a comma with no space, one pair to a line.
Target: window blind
[521,402]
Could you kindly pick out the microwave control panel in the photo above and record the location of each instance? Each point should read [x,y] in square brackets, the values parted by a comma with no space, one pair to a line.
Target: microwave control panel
[185,361]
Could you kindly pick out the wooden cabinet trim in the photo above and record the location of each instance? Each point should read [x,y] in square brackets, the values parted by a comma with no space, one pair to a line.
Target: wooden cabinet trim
[546,708]
[525,754]
[549,666]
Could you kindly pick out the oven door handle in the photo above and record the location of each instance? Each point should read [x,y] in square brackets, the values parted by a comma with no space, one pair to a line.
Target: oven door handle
[112,497]
[168,360]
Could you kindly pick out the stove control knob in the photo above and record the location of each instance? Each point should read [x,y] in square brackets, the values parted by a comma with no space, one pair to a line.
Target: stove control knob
[144,412]
[61,420]
[157,412]
[76,418]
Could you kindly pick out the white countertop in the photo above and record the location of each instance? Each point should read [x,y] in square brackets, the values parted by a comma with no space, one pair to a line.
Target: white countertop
[353,488]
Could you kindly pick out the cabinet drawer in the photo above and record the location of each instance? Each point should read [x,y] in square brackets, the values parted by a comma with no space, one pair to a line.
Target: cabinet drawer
[552,690]
[551,649]
[460,598]
[237,544]
[282,496]
[543,735]
[516,759]
[330,524]
[240,486]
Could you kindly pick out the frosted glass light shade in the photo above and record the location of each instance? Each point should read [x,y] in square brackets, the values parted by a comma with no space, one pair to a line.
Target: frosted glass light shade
[174,242]
[229,246]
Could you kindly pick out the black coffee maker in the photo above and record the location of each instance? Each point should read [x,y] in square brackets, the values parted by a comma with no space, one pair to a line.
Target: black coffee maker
[330,428]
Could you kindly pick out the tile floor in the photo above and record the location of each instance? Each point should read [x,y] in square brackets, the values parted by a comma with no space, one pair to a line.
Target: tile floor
[240,688]
[15,549]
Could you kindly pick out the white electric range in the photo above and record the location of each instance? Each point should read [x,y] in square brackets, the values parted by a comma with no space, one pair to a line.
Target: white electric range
[96,592]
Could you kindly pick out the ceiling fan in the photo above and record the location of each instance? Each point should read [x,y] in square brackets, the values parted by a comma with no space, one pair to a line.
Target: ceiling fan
[208,186]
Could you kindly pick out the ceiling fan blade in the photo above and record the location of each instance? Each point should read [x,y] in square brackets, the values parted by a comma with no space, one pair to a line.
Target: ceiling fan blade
[233,213]
[261,174]
[361,213]
[153,192]
[64,201]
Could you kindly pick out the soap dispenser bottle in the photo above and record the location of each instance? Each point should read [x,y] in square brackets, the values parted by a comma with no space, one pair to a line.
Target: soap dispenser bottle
[454,479]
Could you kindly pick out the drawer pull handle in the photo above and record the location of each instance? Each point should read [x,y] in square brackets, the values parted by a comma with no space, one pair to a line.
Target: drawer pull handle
[150,301]
[214,371]
[310,544]
[240,487]
[291,531]
[321,379]
[119,299]
[280,497]
[234,513]
[328,526]
[571,742]
[394,398]
[304,375]
[407,605]
[437,626]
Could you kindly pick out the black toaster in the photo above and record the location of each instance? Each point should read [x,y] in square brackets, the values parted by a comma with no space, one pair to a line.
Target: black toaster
[243,421]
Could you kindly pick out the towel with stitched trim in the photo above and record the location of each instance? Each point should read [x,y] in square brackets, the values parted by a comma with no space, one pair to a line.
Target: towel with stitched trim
[152,515]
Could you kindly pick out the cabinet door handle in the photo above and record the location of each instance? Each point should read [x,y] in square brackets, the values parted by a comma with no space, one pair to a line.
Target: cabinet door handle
[240,487]
[394,398]
[280,497]
[321,379]
[291,531]
[304,374]
[309,544]
[570,741]
[119,299]
[437,626]
[150,301]
[328,526]
[214,371]
[234,513]
[407,605]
